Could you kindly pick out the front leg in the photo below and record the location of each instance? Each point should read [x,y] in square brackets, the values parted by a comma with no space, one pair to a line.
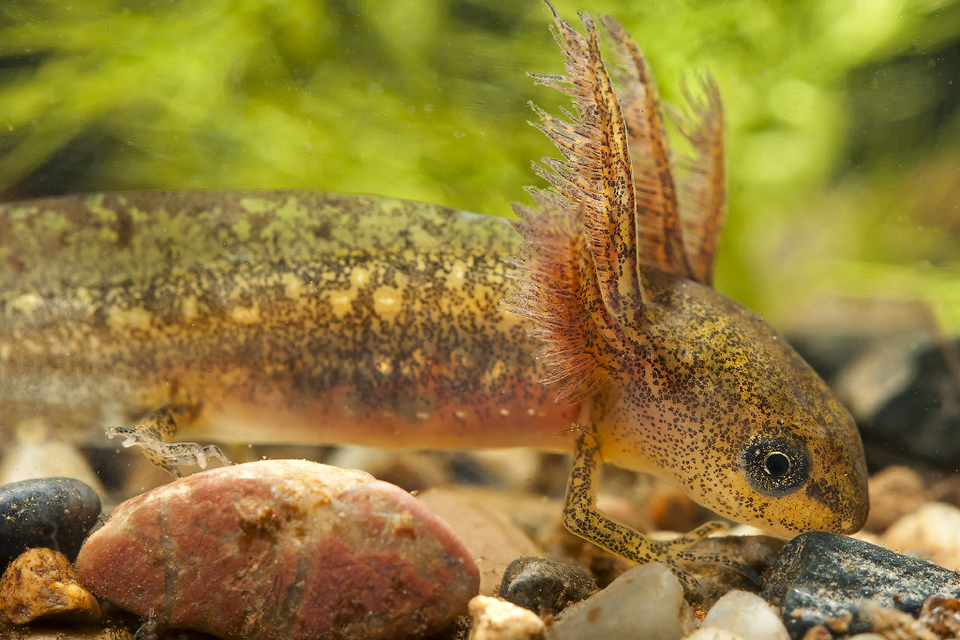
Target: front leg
[581,517]
[153,434]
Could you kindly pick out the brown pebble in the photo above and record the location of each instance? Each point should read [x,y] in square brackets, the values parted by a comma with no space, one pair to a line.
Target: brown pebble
[890,623]
[488,533]
[947,490]
[670,509]
[894,492]
[410,470]
[818,632]
[282,549]
[941,614]
[712,633]
[41,582]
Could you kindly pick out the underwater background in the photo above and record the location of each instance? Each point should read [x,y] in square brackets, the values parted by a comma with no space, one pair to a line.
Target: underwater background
[843,117]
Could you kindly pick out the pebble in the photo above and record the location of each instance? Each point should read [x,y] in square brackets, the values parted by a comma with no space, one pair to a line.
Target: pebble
[878,374]
[492,538]
[40,583]
[820,632]
[906,400]
[755,550]
[410,470]
[894,493]
[824,578]
[941,615]
[46,512]
[531,514]
[35,454]
[711,633]
[420,470]
[893,624]
[939,618]
[668,508]
[494,619]
[932,533]
[282,549]
[747,616]
[646,602]
[545,587]
[512,469]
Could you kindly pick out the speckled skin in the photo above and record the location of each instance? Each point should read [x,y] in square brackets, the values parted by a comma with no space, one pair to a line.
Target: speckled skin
[672,377]
[105,316]
[287,316]
[730,382]
[305,317]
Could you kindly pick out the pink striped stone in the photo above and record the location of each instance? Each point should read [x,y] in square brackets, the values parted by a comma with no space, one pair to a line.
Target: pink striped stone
[282,549]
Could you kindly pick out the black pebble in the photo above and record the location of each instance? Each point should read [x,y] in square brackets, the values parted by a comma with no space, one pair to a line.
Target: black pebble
[545,587]
[55,513]
[922,419]
[823,579]
[918,417]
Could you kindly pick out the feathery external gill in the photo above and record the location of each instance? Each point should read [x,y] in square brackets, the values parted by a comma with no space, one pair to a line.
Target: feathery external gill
[308,317]
[703,183]
[614,207]
[659,233]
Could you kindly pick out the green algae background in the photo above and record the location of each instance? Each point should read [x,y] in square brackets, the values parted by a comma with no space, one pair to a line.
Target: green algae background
[843,116]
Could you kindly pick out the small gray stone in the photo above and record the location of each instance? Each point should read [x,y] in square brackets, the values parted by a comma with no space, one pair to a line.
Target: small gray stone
[55,513]
[545,587]
[824,578]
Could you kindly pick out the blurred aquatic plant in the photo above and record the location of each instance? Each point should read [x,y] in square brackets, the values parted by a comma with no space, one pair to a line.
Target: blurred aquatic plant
[426,99]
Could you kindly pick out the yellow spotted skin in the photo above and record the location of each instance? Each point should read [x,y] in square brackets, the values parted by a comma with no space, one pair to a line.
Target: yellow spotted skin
[288,316]
[728,383]
[672,378]
[589,325]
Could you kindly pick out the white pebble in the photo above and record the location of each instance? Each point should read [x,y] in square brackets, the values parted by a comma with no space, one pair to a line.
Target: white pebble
[746,615]
[711,633]
[27,460]
[646,602]
[495,619]
[932,532]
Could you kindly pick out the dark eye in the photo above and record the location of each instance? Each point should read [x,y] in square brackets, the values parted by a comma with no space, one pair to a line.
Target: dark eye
[775,465]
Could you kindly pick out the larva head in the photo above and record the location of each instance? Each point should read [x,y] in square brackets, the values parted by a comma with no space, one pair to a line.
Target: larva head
[682,381]
[719,404]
